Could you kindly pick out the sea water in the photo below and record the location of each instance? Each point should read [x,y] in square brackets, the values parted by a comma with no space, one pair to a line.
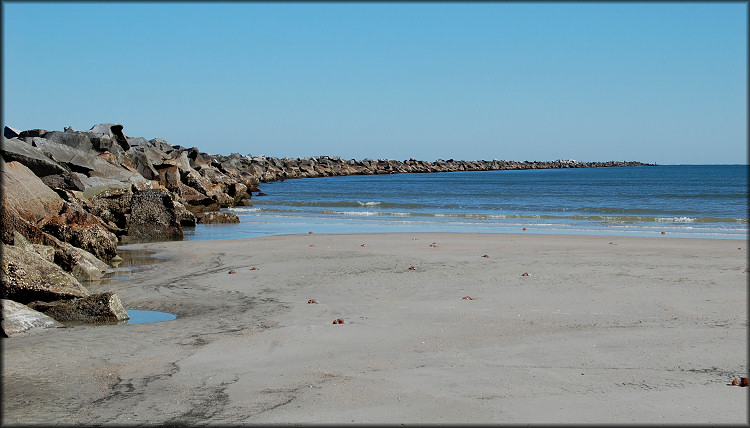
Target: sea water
[693,201]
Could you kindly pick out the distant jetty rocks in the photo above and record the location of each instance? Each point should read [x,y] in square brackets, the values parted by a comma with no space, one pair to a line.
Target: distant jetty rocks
[272,169]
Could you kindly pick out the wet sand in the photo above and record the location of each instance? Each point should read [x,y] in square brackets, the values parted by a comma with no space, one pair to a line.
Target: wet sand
[601,330]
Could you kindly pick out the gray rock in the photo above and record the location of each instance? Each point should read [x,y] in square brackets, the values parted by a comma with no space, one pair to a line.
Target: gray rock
[106,129]
[32,133]
[27,277]
[232,166]
[21,320]
[86,162]
[213,175]
[66,181]
[36,160]
[237,190]
[76,140]
[86,266]
[9,132]
[161,144]
[113,131]
[218,218]
[94,309]
[198,160]
[144,159]
[47,252]
[184,216]
[113,207]
[276,162]
[120,137]
[152,217]
[179,159]
[96,185]
[104,142]
[138,142]
[77,160]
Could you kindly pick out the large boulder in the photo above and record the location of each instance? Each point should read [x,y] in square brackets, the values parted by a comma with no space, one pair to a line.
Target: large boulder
[31,133]
[76,140]
[161,144]
[96,185]
[115,131]
[184,216]
[194,179]
[27,276]
[189,195]
[12,223]
[213,174]
[138,142]
[65,181]
[94,309]
[233,165]
[178,158]
[169,177]
[239,193]
[108,145]
[113,207]
[27,194]
[86,162]
[32,157]
[17,231]
[152,217]
[144,159]
[84,266]
[107,129]
[82,229]
[21,320]
[9,132]
[197,159]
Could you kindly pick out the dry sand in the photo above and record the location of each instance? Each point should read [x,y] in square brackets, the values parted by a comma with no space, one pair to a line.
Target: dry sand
[602,330]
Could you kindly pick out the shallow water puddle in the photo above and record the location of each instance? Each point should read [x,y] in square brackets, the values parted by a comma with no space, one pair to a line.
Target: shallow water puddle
[133,260]
[129,262]
[140,317]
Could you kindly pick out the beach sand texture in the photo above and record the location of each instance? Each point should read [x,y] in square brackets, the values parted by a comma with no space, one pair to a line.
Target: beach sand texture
[601,330]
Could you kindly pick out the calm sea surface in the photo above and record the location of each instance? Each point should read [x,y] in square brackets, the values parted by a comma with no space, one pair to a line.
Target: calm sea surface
[691,201]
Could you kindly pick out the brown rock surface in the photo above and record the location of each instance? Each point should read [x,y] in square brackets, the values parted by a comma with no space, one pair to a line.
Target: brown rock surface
[27,194]
[27,276]
[84,230]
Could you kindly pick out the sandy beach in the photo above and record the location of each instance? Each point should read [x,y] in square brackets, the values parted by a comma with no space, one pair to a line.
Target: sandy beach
[600,330]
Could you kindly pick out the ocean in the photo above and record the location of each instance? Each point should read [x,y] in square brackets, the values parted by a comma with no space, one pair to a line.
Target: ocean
[684,201]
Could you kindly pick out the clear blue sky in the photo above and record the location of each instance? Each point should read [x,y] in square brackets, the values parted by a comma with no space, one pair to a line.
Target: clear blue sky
[654,82]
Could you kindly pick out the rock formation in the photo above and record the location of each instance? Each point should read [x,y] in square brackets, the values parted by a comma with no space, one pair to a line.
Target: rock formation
[27,276]
[94,309]
[20,320]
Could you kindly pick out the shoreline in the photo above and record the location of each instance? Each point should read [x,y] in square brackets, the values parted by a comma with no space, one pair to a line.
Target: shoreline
[533,231]
[603,329]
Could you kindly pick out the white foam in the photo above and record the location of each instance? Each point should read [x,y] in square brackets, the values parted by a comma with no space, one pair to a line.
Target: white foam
[675,219]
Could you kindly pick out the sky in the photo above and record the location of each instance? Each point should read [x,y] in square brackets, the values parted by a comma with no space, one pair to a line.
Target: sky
[652,82]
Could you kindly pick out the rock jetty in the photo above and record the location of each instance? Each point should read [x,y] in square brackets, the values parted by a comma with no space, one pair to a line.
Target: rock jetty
[70,197]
